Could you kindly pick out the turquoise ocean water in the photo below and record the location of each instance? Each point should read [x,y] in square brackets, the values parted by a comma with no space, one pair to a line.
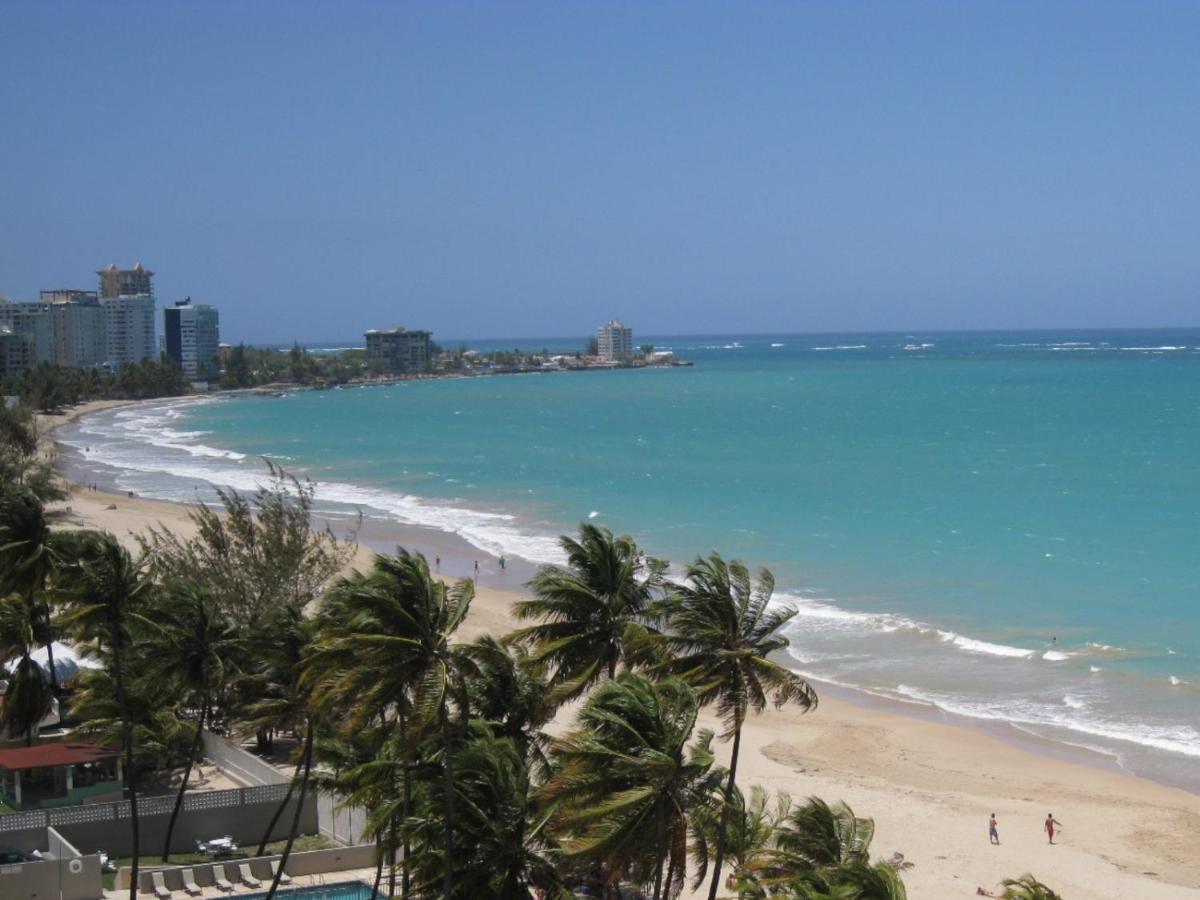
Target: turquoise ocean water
[1005,526]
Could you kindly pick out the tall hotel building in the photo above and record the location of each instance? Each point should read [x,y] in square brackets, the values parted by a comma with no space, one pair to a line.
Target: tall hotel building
[193,339]
[127,299]
[614,342]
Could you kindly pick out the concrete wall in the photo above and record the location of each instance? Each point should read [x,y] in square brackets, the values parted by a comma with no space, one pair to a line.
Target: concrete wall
[300,865]
[242,813]
[53,879]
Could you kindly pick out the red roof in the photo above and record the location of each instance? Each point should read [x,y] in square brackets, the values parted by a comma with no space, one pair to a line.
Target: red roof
[48,755]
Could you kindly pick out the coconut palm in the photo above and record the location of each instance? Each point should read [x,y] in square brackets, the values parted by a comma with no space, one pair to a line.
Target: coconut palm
[748,826]
[108,591]
[27,559]
[192,645]
[1027,888]
[722,631]
[501,849]
[511,694]
[626,781]
[585,608]
[819,850]
[27,700]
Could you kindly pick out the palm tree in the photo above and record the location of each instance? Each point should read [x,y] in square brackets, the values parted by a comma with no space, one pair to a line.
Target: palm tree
[510,693]
[585,608]
[819,850]
[192,645]
[27,559]
[748,826]
[109,588]
[722,632]
[500,842]
[626,781]
[281,643]
[26,698]
[1027,888]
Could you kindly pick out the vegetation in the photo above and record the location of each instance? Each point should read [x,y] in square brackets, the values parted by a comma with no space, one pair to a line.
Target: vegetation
[251,624]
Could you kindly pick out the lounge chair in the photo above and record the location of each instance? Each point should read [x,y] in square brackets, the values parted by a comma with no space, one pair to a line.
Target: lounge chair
[222,883]
[285,878]
[189,883]
[247,876]
[160,886]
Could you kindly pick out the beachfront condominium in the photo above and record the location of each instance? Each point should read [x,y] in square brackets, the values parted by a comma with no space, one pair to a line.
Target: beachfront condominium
[399,350]
[116,282]
[77,321]
[127,299]
[193,339]
[14,352]
[32,323]
[614,342]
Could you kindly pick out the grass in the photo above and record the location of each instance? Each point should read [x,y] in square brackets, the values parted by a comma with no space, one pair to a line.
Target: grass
[303,842]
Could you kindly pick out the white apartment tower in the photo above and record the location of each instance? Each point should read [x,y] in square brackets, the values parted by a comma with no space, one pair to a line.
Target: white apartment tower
[614,342]
[127,298]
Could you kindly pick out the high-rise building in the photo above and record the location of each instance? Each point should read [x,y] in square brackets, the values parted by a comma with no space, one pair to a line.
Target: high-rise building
[129,329]
[78,325]
[193,338]
[14,352]
[116,282]
[399,350]
[31,321]
[614,342]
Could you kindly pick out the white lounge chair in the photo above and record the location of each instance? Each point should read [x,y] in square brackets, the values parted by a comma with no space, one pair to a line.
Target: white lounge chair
[222,883]
[247,876]
[189,883]
[160,886]
[285,878]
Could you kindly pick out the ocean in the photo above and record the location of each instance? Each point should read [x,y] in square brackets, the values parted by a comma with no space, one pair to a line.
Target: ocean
[1005,527]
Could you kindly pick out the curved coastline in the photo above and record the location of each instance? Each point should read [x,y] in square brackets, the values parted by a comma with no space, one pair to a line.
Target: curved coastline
[904,759]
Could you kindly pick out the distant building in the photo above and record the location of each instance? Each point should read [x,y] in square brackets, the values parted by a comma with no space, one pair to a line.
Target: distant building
[129,329]
[193,339]
[78,326]
[116,282]
[14,353]
[614,342]
[32,323]
[399,350]
[127,299]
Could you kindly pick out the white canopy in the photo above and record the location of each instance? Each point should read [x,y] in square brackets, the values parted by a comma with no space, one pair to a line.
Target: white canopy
[67,662]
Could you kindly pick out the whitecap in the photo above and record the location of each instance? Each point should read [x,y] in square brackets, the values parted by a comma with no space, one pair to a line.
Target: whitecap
[1055,656]
[975,646]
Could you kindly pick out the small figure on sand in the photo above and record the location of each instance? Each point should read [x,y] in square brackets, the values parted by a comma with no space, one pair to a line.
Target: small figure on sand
[1051,822]
[476,568]
[437,561]
[503,562]
[993,834]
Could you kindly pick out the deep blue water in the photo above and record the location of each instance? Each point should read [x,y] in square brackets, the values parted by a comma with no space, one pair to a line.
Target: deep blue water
[1005,525]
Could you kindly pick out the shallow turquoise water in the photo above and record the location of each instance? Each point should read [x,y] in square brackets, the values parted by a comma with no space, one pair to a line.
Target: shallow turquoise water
[1004,525]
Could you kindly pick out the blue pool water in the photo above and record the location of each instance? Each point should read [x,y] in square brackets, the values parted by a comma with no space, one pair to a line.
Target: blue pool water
[1001,525]
[352,890]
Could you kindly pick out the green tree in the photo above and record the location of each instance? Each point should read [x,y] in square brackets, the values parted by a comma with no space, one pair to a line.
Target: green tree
[108,590]
[586,608]
[1027,888]
[722,633]
[192,645]
[627,783]
[24,463]
[27,698]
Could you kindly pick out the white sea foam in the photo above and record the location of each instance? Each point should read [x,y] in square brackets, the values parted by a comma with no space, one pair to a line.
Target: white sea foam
[1073,702]
[975,646]
[1056,656]
[1175,681]
[1095,669]
[776,346]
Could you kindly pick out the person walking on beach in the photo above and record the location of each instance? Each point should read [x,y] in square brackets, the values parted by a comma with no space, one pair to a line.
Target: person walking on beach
[1050,823]
[503,561]
[437,561]
[477,569]
[993,834]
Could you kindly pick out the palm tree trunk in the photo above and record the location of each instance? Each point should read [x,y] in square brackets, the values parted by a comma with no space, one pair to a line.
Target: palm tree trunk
[670,872]
[660,829]
[447,806]
[266,838]
[392,857]
[406,806]
[287,849]
[378,869]
[729,784]
[130,768]
[166,854]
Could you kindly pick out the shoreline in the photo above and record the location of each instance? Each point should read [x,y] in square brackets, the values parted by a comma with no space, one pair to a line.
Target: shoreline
[899,763]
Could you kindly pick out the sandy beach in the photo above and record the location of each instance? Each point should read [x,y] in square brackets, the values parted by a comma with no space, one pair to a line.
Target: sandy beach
[928,784]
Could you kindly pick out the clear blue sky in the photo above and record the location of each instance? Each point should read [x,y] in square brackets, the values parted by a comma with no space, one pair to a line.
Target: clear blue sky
[517,169]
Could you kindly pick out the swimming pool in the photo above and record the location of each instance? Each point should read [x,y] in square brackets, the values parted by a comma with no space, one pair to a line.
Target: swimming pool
[347,890]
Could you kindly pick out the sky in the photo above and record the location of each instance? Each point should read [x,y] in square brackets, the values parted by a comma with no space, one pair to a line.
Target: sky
[534,169]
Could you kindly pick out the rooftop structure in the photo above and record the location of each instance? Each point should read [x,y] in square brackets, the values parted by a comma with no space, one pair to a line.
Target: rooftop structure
[50,775]
[399,350]
[614,342]
[116,282]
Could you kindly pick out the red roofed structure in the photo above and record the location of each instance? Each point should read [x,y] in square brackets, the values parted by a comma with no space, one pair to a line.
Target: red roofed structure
[58,774]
